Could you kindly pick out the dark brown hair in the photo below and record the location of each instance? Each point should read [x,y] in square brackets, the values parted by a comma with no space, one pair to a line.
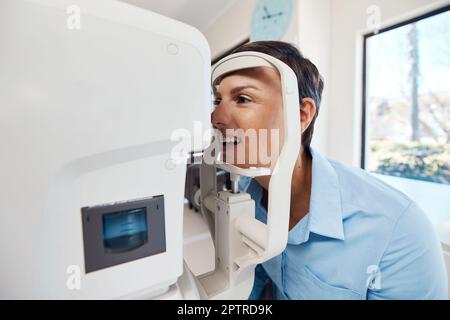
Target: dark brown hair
[310,82]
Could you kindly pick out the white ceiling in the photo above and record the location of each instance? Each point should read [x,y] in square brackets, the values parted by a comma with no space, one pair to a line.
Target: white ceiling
[197,13]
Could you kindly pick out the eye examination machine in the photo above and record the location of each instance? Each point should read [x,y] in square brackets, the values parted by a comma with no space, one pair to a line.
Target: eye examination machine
[91,199]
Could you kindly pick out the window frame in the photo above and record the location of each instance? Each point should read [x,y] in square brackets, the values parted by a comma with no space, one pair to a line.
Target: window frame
[365,37]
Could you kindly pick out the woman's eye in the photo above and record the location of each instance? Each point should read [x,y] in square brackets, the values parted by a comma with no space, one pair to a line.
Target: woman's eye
[243,99]
[216,102]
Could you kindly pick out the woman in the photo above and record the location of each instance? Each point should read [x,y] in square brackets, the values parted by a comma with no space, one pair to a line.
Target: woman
[350,235]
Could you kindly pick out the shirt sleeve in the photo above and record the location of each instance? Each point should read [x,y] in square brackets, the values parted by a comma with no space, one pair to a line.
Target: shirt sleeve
[412,266]
[261,279]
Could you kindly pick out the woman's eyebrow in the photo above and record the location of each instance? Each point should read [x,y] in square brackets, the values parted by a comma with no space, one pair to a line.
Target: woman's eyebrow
[233,91]
[240,88]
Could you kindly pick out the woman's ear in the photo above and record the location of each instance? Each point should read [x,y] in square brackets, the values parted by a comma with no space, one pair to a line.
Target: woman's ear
[307,112]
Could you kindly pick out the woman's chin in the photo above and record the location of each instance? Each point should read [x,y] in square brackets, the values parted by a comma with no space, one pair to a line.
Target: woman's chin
[230,156]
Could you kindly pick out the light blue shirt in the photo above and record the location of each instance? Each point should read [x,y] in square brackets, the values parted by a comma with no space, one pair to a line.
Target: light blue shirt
[361,239]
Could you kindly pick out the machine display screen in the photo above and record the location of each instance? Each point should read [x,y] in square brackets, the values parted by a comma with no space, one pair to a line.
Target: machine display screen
[124,230]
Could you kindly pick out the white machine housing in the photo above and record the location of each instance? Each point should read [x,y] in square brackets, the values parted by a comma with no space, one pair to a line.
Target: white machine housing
[86,117]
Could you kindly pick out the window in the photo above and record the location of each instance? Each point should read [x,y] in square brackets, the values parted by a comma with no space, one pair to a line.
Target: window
[406,99]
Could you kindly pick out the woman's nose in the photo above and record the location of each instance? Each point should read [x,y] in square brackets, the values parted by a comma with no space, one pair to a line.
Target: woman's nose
[221,117]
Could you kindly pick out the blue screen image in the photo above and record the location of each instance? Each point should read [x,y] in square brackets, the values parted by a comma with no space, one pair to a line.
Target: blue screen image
[125,230]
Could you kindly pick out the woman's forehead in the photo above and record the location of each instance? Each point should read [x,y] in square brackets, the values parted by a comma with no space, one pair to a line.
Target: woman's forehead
[260,77]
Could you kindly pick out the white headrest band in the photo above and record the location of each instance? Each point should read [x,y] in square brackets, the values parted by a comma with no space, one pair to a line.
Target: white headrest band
[238,61]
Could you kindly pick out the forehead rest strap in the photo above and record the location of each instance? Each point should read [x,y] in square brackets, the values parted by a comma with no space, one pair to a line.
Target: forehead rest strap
[236,62]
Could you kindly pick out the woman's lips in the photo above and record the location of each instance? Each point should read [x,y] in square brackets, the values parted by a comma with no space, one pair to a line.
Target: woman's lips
[230,140]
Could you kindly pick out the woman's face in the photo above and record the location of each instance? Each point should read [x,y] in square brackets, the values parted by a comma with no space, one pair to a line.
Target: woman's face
[250,100]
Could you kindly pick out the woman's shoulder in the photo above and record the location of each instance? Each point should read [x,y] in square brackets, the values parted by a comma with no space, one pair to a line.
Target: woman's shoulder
[363,191]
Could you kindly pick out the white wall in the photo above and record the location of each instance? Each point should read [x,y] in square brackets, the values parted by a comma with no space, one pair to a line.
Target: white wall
[314,34]
[231,28]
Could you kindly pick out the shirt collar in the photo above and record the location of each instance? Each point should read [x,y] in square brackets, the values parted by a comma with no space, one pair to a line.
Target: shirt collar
[325,209]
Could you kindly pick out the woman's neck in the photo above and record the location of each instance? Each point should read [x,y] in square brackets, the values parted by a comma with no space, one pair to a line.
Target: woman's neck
[300,188]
